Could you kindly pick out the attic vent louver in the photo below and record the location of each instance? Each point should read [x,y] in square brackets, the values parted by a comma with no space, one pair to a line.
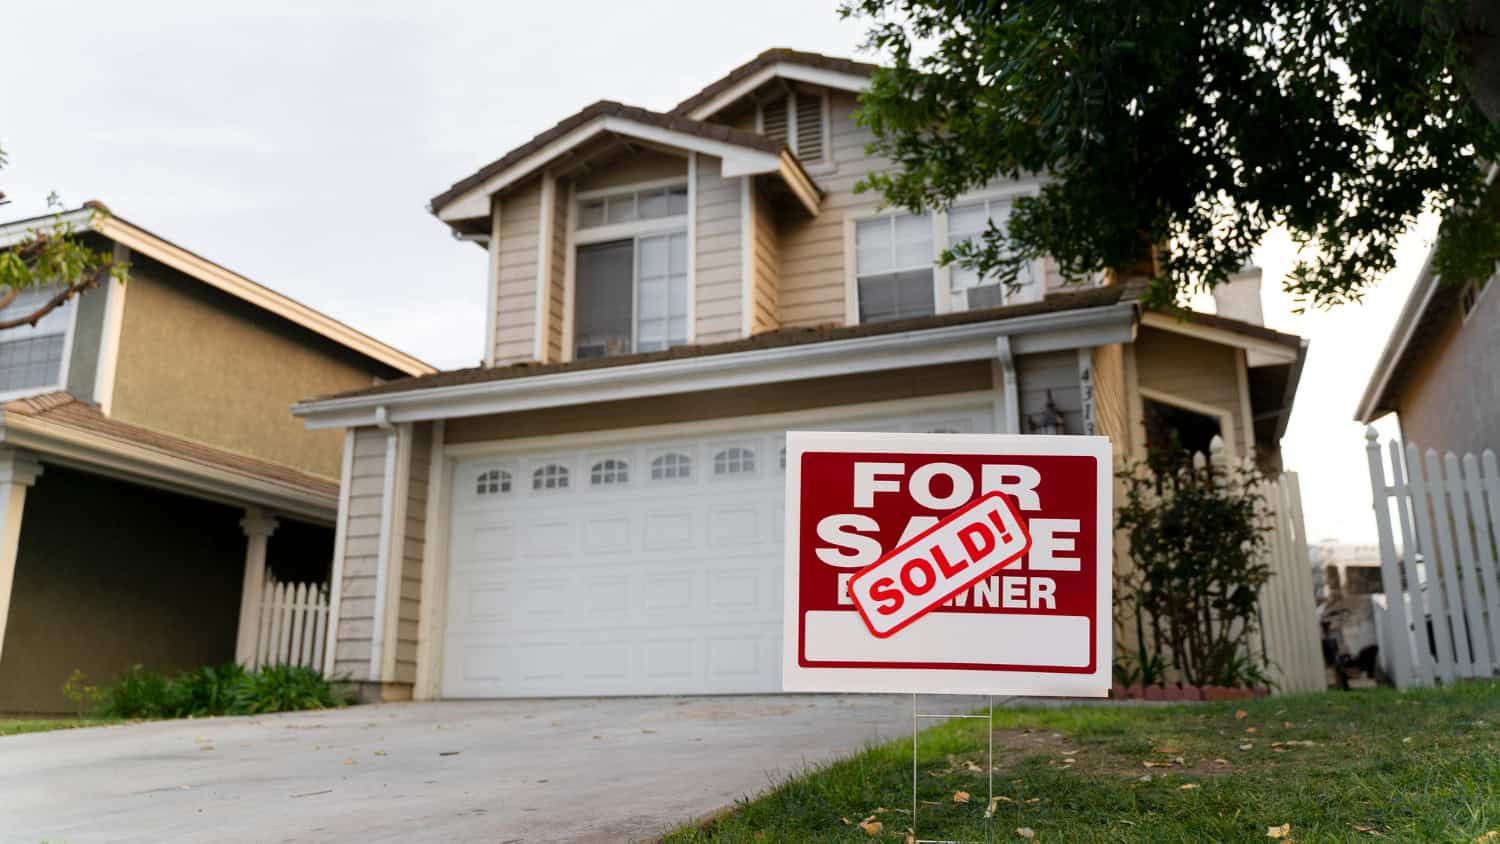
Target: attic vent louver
[799,121]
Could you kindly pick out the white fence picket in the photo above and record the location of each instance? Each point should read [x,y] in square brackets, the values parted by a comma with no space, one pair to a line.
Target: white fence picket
[1449,511]
[1400,658]
[293,625]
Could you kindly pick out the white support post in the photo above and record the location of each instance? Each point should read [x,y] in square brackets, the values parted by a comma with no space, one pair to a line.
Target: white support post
[18,470]
[258,527]
[1008,409]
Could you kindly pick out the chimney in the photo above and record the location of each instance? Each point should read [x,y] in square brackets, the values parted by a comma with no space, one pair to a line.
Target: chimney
[1239,297]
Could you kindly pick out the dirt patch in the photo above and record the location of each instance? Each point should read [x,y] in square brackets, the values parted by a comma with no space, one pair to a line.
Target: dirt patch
[1015,747]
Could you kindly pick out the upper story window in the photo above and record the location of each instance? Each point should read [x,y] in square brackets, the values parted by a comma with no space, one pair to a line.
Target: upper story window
[894,264]
[31,356]
[800,120]
[632,206]
[631,295]
[967,289]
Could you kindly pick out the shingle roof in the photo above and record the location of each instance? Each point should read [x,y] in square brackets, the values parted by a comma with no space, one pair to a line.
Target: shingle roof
[607,108]
[1089,298]
[64,409]
[773,56]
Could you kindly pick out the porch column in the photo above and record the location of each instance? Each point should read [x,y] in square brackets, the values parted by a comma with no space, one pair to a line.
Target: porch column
[18,470]
[258,526]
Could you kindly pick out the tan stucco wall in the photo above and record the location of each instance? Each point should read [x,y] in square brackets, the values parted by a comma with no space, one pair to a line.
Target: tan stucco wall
[202,364]
[714,404]
[1452,401]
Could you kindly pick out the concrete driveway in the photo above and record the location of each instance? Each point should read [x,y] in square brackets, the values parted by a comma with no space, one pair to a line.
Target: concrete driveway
[493,771]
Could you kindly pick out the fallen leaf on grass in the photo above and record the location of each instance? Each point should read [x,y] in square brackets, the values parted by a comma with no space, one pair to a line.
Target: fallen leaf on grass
[971,765]
[1240,715]
[1150,764]
[1069,760]
[911,836]
[871,826]
[1187,786]
[1251,730]
[961,796]
[1026,832]
[1033,800]
[1247,746]
[995,802]
[847,822]
[1488,837]
[1283,831]
[1222,763]
[1359,827]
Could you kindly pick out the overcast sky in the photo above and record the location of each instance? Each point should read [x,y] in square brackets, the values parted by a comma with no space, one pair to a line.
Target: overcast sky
[298,144]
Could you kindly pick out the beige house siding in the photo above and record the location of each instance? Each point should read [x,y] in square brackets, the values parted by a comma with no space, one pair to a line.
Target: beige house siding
[1197,371]
[412,542]
[715,404]
[634,168]
[1450,401]
[812,250]
[1054,374]
[361,553]
[766,268]
[1111,404]
[197,362]
[719,295]
[557,284]
[515,302]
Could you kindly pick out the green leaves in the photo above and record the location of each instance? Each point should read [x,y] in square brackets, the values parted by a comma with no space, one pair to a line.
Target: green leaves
[1195,126]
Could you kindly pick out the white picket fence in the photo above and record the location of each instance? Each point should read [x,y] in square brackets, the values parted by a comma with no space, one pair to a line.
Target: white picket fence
[293,625]
[1439,620]
[1290,639]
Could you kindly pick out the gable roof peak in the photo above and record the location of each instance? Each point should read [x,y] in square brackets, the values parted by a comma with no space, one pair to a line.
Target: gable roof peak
[843,72]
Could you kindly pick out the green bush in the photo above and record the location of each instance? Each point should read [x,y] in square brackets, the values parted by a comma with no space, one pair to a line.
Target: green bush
[215,690]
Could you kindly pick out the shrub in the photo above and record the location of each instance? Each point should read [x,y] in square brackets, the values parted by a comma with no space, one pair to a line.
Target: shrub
[1197,536]
[213,690]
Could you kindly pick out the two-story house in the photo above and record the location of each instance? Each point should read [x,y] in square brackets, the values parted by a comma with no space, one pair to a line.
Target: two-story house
[598,508]
[151,477]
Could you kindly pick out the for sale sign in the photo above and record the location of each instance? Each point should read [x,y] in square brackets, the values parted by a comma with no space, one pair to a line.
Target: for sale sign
[948,563]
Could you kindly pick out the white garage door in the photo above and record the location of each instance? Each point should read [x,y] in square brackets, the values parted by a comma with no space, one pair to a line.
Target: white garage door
[638,566]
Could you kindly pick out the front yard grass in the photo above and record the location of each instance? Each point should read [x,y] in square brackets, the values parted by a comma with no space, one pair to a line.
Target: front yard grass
[17,726]
[1336,766]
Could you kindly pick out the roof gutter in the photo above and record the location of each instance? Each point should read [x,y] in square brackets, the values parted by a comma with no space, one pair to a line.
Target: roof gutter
[1032,334]
[1395,346]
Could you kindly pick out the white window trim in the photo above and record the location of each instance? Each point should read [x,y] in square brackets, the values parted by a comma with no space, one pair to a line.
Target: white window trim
[942,275]
[686,223]
[69,334]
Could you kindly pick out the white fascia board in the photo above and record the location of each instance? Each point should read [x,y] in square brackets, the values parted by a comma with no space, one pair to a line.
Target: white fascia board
[1268,351]
[1395,345]
[738,160]
[851,82]
[13,233]
[89,452]
[949,344]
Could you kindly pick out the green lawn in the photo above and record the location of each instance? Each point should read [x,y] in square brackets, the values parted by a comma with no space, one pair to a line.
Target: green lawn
[17,726]
[1339,766]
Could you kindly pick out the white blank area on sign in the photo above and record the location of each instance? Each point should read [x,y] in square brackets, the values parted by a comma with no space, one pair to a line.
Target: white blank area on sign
[949,638]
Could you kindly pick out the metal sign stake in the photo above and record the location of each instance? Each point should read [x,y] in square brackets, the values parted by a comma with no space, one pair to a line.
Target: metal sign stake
[989,768]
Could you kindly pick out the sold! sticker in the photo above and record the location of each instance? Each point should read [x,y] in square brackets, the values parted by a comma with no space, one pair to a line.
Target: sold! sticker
[948,563]
[950,557]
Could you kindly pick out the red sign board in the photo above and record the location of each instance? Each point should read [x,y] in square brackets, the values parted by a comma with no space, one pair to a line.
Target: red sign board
[959,563]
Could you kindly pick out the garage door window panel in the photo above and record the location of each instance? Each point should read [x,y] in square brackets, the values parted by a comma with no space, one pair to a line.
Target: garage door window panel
[611,471]
[492,482]
[672,466]
[734,460]
[551,476]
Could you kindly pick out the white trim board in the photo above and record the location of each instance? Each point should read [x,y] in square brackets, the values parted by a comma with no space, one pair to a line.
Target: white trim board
[898,350]
[737,161]
[794,71]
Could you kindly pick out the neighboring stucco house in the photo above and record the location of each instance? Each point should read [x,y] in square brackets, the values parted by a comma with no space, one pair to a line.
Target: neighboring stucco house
[1440,369]
[149,468]
[598,508]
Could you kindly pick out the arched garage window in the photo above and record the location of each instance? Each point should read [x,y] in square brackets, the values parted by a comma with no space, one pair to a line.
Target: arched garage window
[671,466]
[609,471]
[492,482]
[551,476]
[734,461]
